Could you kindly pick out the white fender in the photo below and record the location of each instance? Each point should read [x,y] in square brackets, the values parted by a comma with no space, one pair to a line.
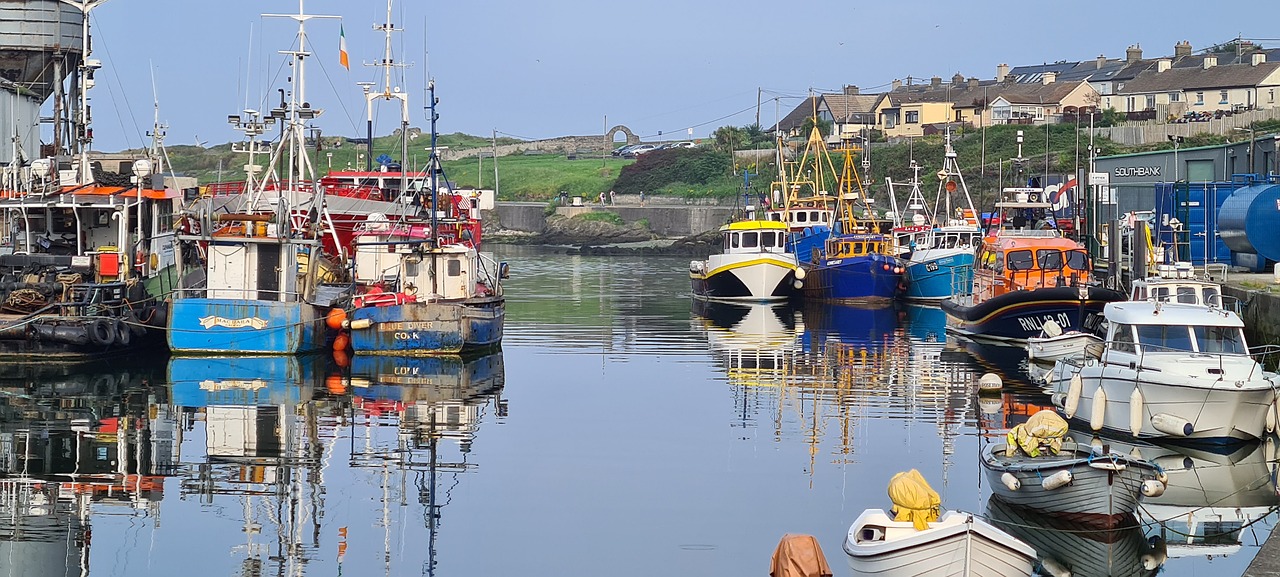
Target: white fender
[1172,425]
[1073,396]
[1159,553]
[800,273]
[1135,412]
[359,324]
[1174,462]
[1099,409]
[990,382]
[1010,481]
[1152,488]
[1056,480]
[1054,568]
[1271,417]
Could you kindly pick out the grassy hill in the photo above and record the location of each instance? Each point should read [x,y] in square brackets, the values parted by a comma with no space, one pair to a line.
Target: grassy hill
[1055,149]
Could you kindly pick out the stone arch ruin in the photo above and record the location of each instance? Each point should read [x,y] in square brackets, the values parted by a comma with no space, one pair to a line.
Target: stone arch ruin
[631,137]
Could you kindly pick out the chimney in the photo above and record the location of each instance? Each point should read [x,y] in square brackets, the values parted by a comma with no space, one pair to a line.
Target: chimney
[958,79]
[1048,77]
[1182,49]
[1163,64]
[1133,54]
[1258,58]
[1002,70]
[935,82]
[850,89]
[1210,62]
[895,85]
[1102,61]
[973,82]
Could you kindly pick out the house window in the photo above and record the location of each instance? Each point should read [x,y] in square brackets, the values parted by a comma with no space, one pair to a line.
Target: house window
[1151,102]
[1224,97]
[1175,96]
[1271,95]
[1129,104]
[913,117]
[1199,99]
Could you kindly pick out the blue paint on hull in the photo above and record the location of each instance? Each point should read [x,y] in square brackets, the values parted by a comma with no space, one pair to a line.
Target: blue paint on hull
[936,279]
[243,326]
[429,328]
[860,278]
[407,379]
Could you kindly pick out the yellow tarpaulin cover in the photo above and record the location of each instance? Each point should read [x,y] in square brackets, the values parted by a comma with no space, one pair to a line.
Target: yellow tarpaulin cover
[913,499]
[1043,432]
[799,556]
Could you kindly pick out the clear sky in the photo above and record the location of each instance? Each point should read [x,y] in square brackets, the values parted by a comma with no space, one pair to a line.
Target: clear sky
[546,69]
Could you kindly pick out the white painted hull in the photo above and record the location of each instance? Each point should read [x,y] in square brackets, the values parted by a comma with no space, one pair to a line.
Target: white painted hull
[957,544]
[1052,349]
[1218,409]
[746,277]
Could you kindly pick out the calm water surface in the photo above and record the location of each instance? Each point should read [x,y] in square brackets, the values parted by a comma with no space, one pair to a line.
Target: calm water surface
[622,430]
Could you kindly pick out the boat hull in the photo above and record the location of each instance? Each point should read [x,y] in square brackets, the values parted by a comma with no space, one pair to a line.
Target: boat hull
[1219,412]
[860,279]
[1104,490]
[242,326]
[1049,350]
[938,275]
[756,277]
[1084,550]
[1016,316]
[429,328]
[958,544]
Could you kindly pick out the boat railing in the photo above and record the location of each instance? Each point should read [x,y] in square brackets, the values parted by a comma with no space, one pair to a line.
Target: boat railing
[1040,278]
[962,281]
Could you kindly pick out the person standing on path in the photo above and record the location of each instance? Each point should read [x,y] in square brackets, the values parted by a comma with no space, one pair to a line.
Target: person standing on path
[602,198]
[642,198]
[612,198]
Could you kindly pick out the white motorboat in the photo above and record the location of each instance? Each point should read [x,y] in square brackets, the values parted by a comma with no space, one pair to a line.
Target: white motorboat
[958,543]
[918,538]
[755,265]
[1169,370]
[1052,344]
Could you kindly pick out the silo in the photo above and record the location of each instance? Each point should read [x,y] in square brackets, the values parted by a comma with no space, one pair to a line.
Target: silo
[1247,221]
[40,44]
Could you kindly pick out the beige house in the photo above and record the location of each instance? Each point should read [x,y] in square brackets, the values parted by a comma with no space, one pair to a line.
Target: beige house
[1203,86]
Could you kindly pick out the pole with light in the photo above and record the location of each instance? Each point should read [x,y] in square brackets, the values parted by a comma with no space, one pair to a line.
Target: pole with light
[1176,140]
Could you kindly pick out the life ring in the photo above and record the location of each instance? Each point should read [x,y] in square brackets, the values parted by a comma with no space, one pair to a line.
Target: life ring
[123,333]
[101,332]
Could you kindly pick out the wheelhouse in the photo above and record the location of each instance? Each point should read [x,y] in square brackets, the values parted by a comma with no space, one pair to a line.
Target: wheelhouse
[754,236]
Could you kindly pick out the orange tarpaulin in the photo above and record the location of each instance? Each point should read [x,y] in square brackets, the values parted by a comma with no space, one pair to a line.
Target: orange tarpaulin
[799,556]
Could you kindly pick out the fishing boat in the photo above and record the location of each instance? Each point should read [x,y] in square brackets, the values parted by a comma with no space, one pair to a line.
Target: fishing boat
[1066,547]
[1036,468]
[257,289]
[926,541]
[418,291]
[87,245]
[754,265]
[857,262]
[1169,371]
[939,258]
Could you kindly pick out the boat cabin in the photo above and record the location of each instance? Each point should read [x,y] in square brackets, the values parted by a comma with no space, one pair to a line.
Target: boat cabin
[397,259]
[1137,328]
[855,245]
[752,236]
[1006,264]
[805,216]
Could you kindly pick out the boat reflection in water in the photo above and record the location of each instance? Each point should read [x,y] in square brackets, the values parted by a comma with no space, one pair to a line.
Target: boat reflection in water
[1065,547]
[753,342]
[71,442]
[1210,498]
[416,419]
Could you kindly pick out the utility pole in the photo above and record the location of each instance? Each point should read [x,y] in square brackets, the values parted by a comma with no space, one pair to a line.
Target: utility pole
[758,106]
[495,164]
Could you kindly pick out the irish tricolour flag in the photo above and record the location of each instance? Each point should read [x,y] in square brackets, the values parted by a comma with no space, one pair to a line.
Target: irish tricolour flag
[343,59]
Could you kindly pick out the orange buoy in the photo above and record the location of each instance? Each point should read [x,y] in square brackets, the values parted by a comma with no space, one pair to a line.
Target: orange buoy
[335,318]
[334,384]
[342,359]
[341,342]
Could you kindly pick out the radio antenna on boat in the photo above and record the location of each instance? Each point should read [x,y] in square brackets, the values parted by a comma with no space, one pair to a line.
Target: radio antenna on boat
[388,92]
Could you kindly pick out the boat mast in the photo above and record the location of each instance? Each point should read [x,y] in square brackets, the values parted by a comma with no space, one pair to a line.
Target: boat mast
[84,79]
[388,93]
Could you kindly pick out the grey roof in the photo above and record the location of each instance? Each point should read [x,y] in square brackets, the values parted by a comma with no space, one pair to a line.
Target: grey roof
[1196,78]
[797,116]
[842,106]
[1033,74]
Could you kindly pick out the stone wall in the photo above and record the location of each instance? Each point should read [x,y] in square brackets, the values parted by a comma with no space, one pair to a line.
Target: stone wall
[669,221]
[587,145]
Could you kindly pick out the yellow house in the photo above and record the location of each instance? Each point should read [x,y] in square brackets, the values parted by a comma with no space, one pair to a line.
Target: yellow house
[906,112]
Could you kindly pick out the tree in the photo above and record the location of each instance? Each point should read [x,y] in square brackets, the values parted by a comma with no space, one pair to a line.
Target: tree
[730,138]
[824,126]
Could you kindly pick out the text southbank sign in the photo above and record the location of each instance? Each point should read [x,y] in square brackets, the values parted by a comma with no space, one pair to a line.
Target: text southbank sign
[1140,171]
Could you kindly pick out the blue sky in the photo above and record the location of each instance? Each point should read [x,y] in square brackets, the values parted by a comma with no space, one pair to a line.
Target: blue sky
[545,69]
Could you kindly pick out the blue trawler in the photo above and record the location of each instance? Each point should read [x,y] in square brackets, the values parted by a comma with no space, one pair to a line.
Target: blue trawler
[256,288]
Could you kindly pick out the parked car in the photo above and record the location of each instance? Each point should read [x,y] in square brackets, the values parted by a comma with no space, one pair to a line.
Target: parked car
[622,150]
[638,150]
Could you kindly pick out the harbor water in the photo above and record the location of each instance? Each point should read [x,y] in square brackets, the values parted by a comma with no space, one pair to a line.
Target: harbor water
[623,429]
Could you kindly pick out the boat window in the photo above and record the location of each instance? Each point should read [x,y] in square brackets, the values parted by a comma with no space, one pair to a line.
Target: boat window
[734,240]
[750,240]
[857,248]
[1139,294]
[825,216]
[1077,260]
[1160,293]
[1211,296]
[1165,337]
[802,217]
[1122,340]
[767,239]
[1226,340]
[1021,260]
[1049,259]
[455,267]
[1187,295]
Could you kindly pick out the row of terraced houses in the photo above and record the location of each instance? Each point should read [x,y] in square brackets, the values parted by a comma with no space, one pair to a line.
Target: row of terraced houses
[1184,87]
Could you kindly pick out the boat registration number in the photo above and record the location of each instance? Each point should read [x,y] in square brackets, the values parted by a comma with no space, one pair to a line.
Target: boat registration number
[1037,323]
[931,266]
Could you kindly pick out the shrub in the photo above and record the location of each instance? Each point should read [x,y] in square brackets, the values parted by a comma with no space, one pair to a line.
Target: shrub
[602,216]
